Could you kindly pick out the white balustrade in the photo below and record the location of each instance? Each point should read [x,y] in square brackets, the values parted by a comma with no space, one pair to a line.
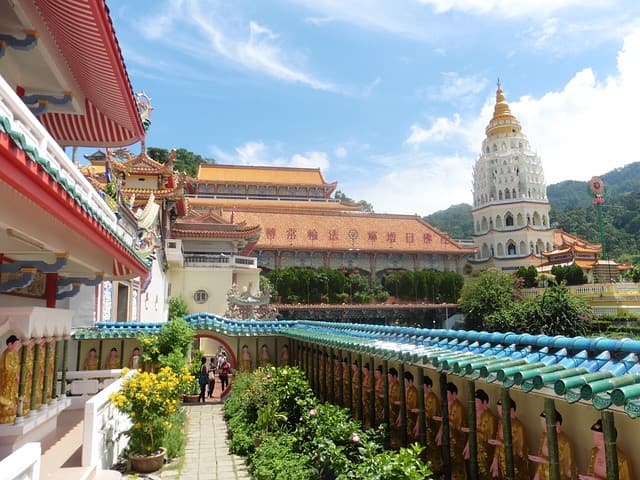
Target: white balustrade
[104,424]
[23,464]
[23,121]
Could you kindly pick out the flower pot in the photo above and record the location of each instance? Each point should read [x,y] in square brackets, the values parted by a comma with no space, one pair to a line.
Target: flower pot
[190,398]
[147,463]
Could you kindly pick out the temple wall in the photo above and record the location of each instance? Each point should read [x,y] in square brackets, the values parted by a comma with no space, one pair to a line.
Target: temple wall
[215,282]
[153,304]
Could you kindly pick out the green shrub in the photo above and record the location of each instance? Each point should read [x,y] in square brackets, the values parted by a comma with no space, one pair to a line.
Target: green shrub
[176,438]
[274,418]
[275,459]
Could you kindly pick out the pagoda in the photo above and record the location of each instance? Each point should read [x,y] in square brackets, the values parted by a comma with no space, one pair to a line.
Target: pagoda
[510,207]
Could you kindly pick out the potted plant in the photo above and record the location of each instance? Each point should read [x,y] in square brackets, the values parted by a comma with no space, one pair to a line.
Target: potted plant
[149,399]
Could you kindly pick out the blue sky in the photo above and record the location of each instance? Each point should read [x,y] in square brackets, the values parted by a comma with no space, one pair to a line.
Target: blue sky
[390,98]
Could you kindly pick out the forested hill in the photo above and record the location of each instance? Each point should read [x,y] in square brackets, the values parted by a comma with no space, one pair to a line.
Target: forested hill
[573,211]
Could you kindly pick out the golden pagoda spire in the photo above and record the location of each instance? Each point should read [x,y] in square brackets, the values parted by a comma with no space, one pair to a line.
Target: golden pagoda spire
[503,121]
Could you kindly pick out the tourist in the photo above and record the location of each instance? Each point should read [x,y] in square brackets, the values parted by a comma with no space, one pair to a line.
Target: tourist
[203,378]
[225,371]
[212,377]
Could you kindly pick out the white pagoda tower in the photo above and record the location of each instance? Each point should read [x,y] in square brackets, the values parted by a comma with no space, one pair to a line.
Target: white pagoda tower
[510,207]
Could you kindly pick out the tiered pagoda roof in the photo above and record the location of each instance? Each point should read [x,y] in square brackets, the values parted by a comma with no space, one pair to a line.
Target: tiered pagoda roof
[211,224]
[571,249]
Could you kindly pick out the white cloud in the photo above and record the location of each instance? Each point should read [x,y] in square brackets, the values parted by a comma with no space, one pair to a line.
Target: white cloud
[413,183]
[455,89]
[510,8]
[340,152]
[259,153]
[588,127]
[310,160]
[198,29]
[441,129]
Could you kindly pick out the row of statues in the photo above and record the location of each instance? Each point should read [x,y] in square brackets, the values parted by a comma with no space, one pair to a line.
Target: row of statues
[353,390]
[112,361]
[264,358]
[36,369]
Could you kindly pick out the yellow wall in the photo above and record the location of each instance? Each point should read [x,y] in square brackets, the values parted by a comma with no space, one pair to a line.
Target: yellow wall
[215,281]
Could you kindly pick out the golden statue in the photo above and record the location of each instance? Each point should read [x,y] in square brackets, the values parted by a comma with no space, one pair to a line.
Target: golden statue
[567,460]
[135,361]
[486,424]
[10,376]
[394,406]
[457,436]
[411,404]
[245,359]
[39,371]
[431,413]
[379,392]
[91,363]
[51,367]
[28,377]
[366,396]
[598,462]
[265,355]
[519,443]
[284,355]
[113,360]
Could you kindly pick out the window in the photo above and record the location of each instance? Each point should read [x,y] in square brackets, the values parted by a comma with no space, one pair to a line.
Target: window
[201,296]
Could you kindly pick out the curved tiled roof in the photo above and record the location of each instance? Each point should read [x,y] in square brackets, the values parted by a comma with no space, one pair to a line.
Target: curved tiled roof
[601,371]
[244,174]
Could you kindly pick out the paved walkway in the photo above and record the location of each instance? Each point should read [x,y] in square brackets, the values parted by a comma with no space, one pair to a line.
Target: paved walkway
[207,456]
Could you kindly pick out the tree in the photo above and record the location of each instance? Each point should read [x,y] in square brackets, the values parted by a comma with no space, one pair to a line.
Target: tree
[490,292]
[529,276]
[185,161]
[366,206]
[559,312]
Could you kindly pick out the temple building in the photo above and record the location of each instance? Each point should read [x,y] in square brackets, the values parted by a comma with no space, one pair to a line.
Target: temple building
[510,206]
[302,226]
[59,239]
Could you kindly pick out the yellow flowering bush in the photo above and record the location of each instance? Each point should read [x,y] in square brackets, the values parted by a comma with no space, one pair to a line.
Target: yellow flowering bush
[150,399]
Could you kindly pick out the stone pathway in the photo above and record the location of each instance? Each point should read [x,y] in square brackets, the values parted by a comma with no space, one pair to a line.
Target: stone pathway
[207,456]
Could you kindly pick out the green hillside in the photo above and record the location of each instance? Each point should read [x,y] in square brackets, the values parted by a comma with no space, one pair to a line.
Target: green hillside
[573,211]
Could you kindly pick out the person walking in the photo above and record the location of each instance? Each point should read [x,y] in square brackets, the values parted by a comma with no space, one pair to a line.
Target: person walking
[203,378]
[225,371]
[212,377]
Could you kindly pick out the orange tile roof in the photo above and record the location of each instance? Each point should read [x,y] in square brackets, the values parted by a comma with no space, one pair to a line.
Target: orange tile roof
[230,204]
[210,224]
[343,231]
[244,174]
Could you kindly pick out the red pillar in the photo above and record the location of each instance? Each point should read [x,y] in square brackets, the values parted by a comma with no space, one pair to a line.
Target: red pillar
[51,289]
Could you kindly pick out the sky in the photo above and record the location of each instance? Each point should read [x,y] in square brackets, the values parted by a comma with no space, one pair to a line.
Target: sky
[389,98]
